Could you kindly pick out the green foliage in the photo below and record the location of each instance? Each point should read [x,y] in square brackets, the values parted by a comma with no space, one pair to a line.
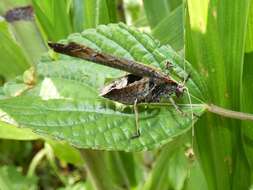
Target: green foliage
[215,41]
[158,10]
[11,178]
[13,59]
[57,100]
[60,18]
[170,30]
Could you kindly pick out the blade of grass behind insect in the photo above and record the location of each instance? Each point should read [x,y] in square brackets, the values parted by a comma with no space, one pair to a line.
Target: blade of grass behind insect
[214,44]
[158,10]
[88,14]
[43,21]
[78,16]
[118,174]
[246,91]
[129,165]
[249,35]
[98,12]
[158,177]
[98,170]
[247,106]
[54,18]
[233,43]
[112,10]
[170,29]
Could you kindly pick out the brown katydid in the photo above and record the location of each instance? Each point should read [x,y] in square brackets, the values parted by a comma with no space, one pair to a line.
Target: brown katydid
[144,84]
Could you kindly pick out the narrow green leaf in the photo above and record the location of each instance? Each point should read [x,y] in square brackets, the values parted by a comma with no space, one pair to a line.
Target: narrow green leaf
[249,36]
[67,92]
[13,60]
[112,10]
[246,106]
[78,15]
[196,179]
[117,171]
[156,11]
[29,38]
[215,40]
[54,17]
[170,30]
[129,165]
[159,176]
[66,152]
[88,14]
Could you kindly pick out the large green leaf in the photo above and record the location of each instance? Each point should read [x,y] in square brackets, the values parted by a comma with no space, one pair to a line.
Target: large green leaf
[65,103]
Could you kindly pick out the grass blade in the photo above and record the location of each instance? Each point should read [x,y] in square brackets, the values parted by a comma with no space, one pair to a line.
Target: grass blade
[170,30]
[218,55]
[13,60]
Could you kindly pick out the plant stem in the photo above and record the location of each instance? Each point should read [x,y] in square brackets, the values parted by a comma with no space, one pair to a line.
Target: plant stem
[35,162]
[229,113]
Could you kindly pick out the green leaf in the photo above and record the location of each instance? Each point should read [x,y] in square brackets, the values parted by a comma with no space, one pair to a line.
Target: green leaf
[88,14]
[11,178]
[249,36]
[74,121]
[196,179]
[170,30]
[159,176]
[158,10]
[13,60]
[246,106]
[8,131]
[215,40]
[29,38]
[66,152]
[67,93]
[54,17]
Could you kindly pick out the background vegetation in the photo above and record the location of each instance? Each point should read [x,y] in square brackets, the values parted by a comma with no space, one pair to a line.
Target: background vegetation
[49,102]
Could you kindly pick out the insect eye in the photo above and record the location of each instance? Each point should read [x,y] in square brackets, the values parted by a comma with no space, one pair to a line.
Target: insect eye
[179,90]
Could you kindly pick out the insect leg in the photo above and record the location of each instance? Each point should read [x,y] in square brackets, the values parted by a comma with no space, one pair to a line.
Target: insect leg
[137,134]
[168,65]
[176,106]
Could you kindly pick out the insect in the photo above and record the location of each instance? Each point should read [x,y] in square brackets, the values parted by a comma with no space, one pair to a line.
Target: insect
[144,84]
